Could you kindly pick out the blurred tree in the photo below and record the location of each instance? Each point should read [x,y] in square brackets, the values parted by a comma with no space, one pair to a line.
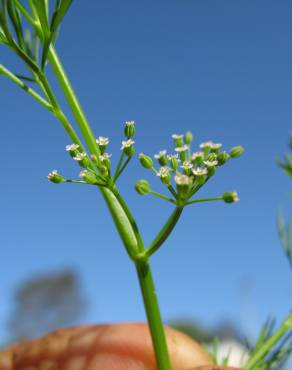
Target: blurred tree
[46,303]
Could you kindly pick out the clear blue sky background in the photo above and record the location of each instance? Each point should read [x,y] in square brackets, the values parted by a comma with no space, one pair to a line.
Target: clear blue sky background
[219,68]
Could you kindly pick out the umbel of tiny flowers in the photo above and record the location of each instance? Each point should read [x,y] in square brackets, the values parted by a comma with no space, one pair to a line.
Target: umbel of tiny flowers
[185,172]
[97,169]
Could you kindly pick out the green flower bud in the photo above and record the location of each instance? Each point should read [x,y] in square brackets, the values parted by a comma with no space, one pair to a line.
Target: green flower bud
[182,152]
[55,177]
[236,151]
[178,140]
[188,138]
[222,158]
[105,160]
[173,160]
[130,129]
[161,157]
[102,143]
[145,160]
[127,147]
[142,187]
[230,197]
[82,159]
[88,177]
[72,149]
[212,157]
[198,158]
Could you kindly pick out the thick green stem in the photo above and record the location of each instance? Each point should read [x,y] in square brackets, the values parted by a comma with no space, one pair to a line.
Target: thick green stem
[153,315]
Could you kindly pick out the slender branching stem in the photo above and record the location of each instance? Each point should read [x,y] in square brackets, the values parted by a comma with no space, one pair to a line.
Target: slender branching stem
[173,201]
[165,231]
[6,72]
[123,168]
[122,156]
[203,200]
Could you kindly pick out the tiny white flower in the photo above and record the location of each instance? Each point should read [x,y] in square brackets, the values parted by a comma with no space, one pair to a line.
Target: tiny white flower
[211,163]
[177,136]
[130,123]
[182,148]
[83,173]
[53,174]
[181,179]
[200,171]
[163,172]
[207,144]
[72,147]
[162,153]
[172,156]
[187,165]
[104,157]
[127,143]
[235,196]
[80,156]
[103,141]
[216,146]
[197,155]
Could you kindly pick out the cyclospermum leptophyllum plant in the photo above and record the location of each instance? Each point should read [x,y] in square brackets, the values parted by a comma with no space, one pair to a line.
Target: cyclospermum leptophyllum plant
[30,29]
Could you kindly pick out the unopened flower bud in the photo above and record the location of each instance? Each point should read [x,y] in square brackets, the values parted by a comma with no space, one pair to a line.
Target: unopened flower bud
[55,177]
[130,129]
[173,160]
[161,157]
[178,140]
[236,151]
[145,160]
[230,197]
[188,138]
[127,147]
[88,177]
[222,158]
[102,143]
[142,187]
[212,157]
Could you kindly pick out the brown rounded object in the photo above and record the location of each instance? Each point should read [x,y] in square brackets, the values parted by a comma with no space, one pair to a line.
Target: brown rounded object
[102,347]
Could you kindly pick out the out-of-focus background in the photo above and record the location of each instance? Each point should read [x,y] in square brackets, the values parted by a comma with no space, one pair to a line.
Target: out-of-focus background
[221,69]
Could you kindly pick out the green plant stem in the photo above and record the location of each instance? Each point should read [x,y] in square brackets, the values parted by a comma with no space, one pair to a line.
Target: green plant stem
[165,231]
[73,102]
[123,219]
[153,315]
[162,197]
[204,200]
[266,347]
[24,87]
[118,166]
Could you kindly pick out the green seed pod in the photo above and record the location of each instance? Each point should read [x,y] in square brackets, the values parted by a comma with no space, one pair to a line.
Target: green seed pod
[145,161]
[236,151]
[130,129]
[82,159]
[161,157]
[142,187]
[222,158]
[188,138]
[55,177]
[212,157]
[230,197]
[88,177]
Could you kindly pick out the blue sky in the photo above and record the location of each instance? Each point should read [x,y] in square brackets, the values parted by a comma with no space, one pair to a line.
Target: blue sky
[221,69]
